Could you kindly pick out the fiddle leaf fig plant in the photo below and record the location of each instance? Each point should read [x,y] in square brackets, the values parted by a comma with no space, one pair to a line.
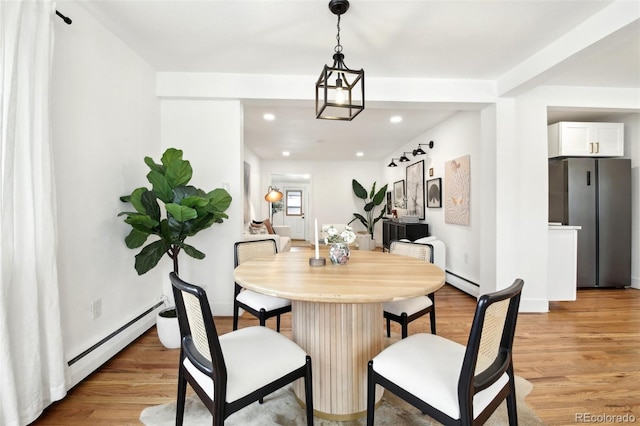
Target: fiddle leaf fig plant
[187,211]
[371,200]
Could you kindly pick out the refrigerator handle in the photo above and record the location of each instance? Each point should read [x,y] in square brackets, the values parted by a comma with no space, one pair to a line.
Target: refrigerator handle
[588,178]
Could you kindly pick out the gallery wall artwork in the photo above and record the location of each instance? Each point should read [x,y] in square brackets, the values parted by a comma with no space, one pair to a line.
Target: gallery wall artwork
[457,182]
[415,189]
[398,194]
[434,193]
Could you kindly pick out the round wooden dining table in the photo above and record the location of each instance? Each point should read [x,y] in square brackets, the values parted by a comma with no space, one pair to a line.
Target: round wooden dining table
[337,315]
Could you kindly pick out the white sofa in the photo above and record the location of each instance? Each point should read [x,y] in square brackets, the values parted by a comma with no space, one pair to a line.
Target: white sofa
[283,242]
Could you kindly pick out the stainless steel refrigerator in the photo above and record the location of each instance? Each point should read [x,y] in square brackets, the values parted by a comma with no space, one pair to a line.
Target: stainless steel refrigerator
[596,195]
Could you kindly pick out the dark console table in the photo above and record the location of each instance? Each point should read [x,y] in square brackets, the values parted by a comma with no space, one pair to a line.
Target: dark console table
[392,230]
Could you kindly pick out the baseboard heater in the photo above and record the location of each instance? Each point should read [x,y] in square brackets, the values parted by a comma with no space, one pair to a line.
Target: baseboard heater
[463,284]
[92,358]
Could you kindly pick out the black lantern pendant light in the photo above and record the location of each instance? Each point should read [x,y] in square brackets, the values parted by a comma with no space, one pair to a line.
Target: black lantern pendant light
[339,90]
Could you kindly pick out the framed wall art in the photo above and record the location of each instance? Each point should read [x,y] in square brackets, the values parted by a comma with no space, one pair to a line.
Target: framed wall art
[389,203]
[434,193]
[457,180]
[415,189]
[398,194]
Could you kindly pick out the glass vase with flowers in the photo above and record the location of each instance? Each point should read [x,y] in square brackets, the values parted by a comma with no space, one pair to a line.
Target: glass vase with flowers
[338,242]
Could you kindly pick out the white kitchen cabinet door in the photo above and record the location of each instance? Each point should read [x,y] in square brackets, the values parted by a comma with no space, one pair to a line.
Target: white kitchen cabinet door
[584,139]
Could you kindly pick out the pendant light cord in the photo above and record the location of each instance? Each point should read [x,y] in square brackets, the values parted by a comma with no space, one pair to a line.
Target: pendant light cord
[338,47]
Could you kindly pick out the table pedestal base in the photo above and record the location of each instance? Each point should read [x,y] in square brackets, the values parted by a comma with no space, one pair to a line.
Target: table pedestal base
[341,339]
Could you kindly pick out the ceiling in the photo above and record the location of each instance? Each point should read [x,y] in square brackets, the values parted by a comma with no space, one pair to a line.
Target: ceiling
[478,40]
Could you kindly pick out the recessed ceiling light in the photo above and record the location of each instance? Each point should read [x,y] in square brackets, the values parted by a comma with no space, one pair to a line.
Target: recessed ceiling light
[269,117]
[395,119]
[285,153]
[359,154]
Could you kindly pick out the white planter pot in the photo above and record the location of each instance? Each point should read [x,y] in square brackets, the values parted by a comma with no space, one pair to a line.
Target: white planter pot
[364,241]
[168,331]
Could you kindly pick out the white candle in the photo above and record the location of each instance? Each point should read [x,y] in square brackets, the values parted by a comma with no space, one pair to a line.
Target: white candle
[315,229]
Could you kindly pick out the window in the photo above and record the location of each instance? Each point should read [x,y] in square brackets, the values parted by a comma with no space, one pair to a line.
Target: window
[294,202]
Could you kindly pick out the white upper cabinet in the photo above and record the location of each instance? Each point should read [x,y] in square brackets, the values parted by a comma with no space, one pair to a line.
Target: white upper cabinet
[579,139]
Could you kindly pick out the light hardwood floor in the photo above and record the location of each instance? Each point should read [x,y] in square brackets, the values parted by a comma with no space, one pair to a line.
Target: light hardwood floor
[582,357]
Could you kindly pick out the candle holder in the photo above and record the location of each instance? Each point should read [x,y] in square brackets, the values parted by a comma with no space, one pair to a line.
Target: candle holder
[317,261]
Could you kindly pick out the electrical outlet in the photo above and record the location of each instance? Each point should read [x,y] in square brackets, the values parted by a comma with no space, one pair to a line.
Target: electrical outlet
[96,308]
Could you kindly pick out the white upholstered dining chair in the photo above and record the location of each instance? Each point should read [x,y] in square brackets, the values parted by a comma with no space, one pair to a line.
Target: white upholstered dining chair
[231,371]
[259,305]
[406,310]
[453,383]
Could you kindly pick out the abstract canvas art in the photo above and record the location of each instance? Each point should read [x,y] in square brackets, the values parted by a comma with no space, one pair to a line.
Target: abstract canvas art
[457,189]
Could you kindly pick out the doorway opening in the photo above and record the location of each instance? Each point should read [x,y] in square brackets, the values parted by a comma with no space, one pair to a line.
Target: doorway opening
[293,209]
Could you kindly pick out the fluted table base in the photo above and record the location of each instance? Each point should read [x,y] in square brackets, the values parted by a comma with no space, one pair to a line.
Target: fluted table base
[341,339]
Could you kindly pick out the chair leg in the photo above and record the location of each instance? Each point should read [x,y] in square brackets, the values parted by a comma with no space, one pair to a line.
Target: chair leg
[308,392]
[511,401]
[235,316]
[278,323]
[404,322]
[263,317]
[388,327]
[432,313]
[182,393]
[432,316]
[371,395]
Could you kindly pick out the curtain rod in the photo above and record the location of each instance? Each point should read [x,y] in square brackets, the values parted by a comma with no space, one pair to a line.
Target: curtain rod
[64,18]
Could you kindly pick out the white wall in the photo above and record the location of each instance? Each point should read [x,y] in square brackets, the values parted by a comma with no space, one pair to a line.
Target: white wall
[105,119]
[210,134]
[455,137]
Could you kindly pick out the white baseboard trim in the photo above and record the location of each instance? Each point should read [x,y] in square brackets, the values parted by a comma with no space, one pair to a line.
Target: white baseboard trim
[526,305]
[463,285]
[635,283]
[94,359]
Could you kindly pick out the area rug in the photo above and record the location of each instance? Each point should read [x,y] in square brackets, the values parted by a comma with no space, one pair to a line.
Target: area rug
[281,408]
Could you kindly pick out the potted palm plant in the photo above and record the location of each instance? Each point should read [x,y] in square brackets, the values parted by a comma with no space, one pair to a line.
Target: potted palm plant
[187,211]
[371,200]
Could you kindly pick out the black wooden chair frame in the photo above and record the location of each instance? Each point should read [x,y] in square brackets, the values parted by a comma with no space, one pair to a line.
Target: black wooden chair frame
[261,314]
[469,384]
[405,319]
[216,368]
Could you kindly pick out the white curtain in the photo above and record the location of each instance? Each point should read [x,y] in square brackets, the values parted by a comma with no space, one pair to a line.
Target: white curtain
[32,366]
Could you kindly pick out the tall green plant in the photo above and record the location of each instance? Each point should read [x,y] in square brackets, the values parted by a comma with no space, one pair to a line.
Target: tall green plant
[371,199]
[187,209]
